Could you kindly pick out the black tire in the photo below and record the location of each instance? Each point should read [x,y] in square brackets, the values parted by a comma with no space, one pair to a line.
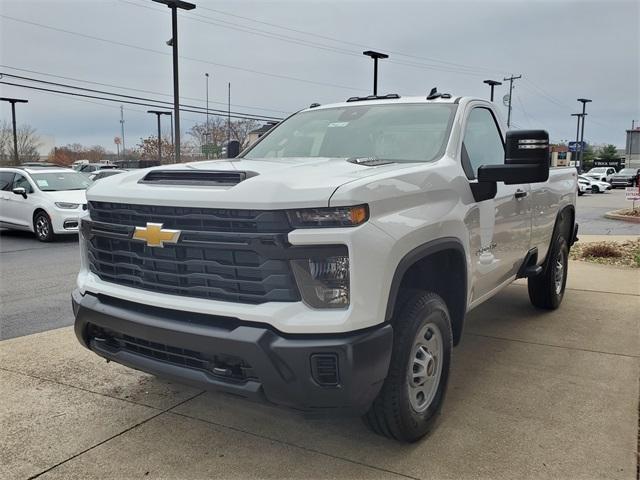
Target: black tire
[42,227]
[392,413]
[547,290]
[595,189]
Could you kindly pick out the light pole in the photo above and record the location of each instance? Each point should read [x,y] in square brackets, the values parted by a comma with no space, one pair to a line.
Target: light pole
[375,56]
[174,5]
[157,113]
[492,84]
[207,129]
[13,102]
[578,146]
[584,102]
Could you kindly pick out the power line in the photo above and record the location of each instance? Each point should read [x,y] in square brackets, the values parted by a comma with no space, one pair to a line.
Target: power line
[118,100]
[192,59]
[359,45]
[136,89]
[74,87]
[447,67]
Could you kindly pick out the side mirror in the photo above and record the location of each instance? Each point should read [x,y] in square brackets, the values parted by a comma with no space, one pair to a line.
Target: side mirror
[526,159]
[20,191]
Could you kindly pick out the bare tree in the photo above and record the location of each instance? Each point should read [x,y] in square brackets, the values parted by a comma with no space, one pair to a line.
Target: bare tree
[28,144]
[240,129]
[148,148]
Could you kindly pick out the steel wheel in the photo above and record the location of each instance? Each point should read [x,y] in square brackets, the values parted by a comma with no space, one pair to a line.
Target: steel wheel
[558,274]
[425,367]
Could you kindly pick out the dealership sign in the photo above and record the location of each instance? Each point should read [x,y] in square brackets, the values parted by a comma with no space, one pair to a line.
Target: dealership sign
[632,193]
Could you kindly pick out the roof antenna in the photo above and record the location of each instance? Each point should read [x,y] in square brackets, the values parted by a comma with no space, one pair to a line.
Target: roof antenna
[433,94]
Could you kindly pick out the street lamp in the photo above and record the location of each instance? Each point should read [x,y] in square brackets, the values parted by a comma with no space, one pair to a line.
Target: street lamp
[375,56]
[578,145]
[207,85]
[158,113]
[492,84]
[13,102]
[174,5]
[584,102]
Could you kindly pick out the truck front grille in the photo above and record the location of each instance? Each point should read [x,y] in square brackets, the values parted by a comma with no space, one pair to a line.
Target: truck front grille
[229,255]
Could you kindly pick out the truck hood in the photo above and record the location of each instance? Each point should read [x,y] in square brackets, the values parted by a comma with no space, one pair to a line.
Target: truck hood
[275,184]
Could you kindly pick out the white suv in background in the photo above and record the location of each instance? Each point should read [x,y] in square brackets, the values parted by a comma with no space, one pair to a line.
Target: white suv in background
[46,201]
[602,174]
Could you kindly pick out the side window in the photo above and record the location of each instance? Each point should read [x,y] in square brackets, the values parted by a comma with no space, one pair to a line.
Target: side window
[6,180]
[482,143]
[21,181]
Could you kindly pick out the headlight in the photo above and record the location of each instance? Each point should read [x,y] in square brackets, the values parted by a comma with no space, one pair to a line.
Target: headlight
[329,217]
[66,205]
[323,282]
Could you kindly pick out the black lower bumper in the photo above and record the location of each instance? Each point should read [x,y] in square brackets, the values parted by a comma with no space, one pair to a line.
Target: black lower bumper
[314,373]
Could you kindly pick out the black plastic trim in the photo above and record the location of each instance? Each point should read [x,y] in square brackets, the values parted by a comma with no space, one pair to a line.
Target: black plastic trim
[281,364]
[415,255]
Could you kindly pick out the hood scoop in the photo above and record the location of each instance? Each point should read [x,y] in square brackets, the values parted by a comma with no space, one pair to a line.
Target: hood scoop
[217,178]
[369,161]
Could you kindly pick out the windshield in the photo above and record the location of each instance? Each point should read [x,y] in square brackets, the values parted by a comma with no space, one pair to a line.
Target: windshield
[628,171]
[399,132]
[54,182]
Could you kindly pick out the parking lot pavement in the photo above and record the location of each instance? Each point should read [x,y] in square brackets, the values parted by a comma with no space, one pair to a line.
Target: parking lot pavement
[35,282]
[532,395]
[590,210]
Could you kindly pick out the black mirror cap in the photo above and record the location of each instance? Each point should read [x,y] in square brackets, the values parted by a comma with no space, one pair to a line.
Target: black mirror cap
[512,174]
[527,147]
[20,191]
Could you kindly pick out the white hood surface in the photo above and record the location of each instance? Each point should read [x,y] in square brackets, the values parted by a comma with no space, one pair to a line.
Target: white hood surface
[278,183]
[68,196]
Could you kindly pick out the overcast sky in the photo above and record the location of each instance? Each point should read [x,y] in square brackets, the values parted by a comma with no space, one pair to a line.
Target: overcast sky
[563,49]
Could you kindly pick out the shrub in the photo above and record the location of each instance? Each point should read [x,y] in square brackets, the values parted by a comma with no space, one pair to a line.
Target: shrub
[601,250]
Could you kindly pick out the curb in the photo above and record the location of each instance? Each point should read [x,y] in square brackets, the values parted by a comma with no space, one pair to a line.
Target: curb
[625,218]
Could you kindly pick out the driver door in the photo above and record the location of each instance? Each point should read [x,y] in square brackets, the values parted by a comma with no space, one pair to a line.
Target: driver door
[504,233]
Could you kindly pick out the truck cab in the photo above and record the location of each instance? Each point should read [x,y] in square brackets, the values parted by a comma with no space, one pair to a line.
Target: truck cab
[330,266]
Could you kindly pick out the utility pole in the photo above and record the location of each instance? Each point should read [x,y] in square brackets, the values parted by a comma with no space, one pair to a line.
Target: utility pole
[578,146]
[13,102]
[158,113]
[124,148]
[492,84]
[174,5]
[375,56]
[584,102]
[229,117]
[207,128]
[172,143]
[511,79]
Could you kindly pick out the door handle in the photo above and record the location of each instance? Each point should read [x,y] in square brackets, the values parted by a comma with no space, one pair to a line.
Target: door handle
[521,193]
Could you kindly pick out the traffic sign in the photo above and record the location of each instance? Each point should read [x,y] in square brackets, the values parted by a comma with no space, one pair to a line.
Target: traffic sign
[210,149]
[577,146]
[632,194]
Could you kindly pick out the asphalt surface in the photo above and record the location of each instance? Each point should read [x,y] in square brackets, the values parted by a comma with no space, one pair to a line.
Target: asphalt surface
[36,279]
[592,207]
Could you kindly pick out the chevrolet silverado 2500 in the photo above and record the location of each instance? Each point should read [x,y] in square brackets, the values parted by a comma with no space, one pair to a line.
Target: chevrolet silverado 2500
[329,267]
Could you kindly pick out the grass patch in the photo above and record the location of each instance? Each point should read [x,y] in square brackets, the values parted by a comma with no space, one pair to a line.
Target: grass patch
[625,254]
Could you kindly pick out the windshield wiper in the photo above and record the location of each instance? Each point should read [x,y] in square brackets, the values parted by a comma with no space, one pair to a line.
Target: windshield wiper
[370,161]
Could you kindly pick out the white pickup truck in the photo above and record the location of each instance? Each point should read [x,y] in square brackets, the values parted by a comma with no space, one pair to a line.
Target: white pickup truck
[329,267]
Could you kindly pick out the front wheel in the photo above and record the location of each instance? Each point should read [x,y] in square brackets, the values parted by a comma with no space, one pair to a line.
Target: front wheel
[412,395]
[595,189]
[547,289]
[43,227]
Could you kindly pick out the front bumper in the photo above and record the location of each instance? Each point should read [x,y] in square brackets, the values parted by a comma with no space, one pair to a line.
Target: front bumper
[315,373]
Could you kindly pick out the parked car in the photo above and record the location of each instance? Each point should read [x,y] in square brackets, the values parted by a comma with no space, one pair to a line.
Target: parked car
[602,174]
[595,185]
[627,177]
[94,167]
[99,174]
[584,186]
[330,266]
[46,201]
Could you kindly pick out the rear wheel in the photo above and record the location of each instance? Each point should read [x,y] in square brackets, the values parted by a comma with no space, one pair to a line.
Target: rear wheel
[547,289]
[42,227]
[412,395]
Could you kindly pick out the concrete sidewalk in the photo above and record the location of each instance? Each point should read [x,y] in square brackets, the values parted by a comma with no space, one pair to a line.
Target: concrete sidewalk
[532,395]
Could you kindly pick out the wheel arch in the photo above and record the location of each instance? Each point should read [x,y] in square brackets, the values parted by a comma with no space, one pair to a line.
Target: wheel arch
[439,266]
[36,211]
